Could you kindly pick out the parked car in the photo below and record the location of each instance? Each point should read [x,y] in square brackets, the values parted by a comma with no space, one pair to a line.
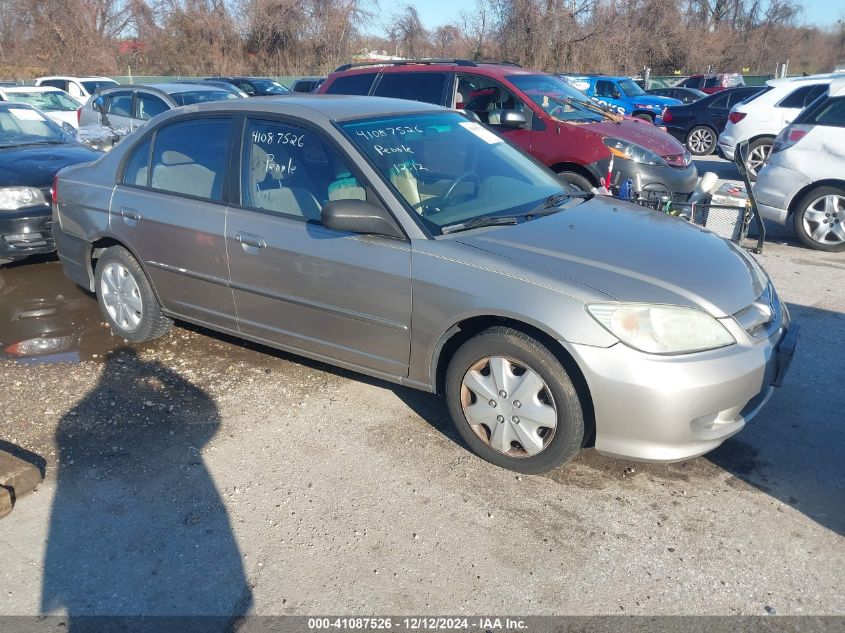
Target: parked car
[698,124]
[760,119]
[32,149]
[684,95]
[225,85]
[804,178]
[307,84]
[408,242]
[80,88]
[256,86]
[543,114]
[55,103]
[622,95]
[130,107]
[713,82]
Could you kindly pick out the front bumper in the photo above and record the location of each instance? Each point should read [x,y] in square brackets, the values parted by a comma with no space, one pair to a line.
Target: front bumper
[665,409]
[775,189]
[25,232]
[680,181]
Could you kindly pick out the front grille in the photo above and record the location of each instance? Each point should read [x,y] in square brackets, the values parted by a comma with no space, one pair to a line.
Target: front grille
[762,317]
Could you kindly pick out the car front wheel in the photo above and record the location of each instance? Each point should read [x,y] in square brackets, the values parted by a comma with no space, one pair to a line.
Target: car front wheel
[819,219]
[126,298]
[513,403]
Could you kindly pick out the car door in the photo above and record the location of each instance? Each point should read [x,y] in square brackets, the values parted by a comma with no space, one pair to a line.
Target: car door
[484,95]
[608,94]
[718,110]
[118,107]
[298,284]
[169,209]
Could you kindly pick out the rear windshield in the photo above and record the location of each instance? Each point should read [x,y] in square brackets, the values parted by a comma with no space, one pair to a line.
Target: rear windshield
[93,86]
[269,87]
[357,84]
[201,96]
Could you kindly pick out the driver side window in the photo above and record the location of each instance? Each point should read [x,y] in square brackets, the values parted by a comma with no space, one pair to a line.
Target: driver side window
[483,96]
[605,89]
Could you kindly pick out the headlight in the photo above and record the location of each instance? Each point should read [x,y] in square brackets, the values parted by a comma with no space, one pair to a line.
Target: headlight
[661,329]
[630,151]
[12,198]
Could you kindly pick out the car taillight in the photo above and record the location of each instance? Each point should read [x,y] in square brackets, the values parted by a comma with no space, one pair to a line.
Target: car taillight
[789,136]
[667,115]
[736,117]
[79,115]
[54,190]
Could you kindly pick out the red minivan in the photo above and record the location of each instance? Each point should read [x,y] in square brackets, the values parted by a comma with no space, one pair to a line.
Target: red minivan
[541,113]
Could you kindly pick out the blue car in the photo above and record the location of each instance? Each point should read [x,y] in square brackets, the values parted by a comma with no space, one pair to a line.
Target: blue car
[622,95]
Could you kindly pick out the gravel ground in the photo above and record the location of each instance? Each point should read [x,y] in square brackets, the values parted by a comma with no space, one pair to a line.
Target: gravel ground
[198,474]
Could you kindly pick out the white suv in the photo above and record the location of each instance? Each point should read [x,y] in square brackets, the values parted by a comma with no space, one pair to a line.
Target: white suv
[761,118]
[80,88]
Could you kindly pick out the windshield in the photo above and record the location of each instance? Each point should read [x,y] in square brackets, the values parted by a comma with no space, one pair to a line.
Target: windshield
[269,87]
[449,169]
[93,86]
[630,88]
[201,96]
[22,125]
[54,101]
[558,98]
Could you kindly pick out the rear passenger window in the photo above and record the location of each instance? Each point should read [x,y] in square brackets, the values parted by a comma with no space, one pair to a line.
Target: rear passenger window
[427,87]
[711,82]
[719,102]
[830,112]
[358,84]
[189,157]
[137,167]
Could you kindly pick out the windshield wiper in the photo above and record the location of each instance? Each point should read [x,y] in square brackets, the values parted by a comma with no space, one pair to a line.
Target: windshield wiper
[553,202]
[490,220]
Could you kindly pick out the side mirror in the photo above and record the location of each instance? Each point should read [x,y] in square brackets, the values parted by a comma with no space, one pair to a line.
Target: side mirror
[357,216]
[513,119]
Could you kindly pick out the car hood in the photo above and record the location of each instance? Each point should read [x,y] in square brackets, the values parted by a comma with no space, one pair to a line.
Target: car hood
[643,134]
[631,254]
[35,165]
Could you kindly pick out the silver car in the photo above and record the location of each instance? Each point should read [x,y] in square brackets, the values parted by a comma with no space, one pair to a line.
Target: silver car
[407,242]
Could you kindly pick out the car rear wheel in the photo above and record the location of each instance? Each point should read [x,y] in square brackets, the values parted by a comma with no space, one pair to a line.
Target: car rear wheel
[513,403]
[701,140]
[819,219]
[758,154]
[126,298]
[576,180]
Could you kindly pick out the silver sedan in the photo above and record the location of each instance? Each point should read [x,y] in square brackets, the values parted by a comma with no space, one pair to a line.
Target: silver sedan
[404,241]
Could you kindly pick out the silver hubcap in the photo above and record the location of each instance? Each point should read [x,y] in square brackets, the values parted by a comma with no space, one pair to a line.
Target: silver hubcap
[700,141]
[508,406]
[757,157]
[823,219]
[121,297]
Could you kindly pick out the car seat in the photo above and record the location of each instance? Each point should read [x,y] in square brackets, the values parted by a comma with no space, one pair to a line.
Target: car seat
[272,187]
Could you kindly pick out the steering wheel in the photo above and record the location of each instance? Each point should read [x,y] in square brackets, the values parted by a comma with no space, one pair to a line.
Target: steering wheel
[558,109]
[464,176]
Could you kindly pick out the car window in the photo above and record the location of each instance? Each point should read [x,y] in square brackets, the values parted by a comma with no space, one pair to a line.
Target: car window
[119,104]
[189,157]
[692,82]
[482,96]
[558,98]
[802,96]
[53,101]
[150,105]
[292,171]
[605,88]
[202,96]
[484,175]
[137,167]
[55,83]
[358,84]
[719,102]
[427,87]
[20,124]
[93,86]
[828,112]
[737,96]
[711,82]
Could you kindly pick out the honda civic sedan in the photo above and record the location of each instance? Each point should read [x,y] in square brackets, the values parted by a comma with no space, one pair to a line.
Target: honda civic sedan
[407,242]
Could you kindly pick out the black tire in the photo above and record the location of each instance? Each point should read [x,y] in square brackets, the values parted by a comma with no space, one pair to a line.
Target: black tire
[645,116]
[834,217]
[764,144]
[153,323]
[576,180]
[705,133]
[568,434]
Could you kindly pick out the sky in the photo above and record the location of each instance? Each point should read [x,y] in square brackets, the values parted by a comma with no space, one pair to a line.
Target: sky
[433,13]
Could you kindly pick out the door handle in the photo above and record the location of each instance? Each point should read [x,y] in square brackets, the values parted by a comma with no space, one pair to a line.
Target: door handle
[250,240]
[129,214]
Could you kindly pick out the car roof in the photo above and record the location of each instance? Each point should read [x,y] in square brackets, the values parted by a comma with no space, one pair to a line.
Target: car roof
[490,68]
[75,78]
[791,81]
[327,107]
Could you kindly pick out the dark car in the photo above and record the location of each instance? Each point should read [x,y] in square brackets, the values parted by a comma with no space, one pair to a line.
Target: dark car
[543,114]
[697,125]
[713,82]
[307,84]
[32,150]
[685,95]
[217,83]
[255,86]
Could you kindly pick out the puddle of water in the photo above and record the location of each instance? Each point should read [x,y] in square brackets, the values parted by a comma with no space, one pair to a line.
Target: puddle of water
[46,318]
